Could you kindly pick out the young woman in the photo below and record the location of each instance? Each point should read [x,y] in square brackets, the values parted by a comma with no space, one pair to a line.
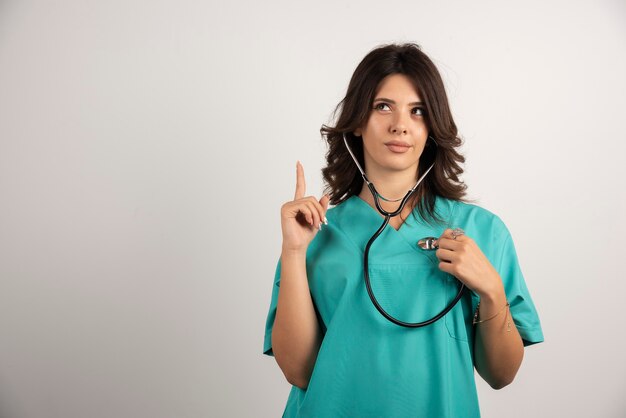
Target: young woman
[382,314]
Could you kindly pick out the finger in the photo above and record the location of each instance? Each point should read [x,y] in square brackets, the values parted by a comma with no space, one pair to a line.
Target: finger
[446,267]
[449,244]
[309,208]
[311,204]
[306,212]
[295,209]
[320,208]
[300,183]
[448,234]
[325,201]
[448,241]
[446,255]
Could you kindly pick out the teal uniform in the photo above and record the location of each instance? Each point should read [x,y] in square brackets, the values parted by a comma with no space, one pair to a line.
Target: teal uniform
[370,367]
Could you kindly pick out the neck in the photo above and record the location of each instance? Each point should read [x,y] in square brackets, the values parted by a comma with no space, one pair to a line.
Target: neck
[391,187]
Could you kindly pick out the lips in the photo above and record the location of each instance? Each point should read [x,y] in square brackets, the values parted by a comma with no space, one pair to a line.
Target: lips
[397,143]
[398,147]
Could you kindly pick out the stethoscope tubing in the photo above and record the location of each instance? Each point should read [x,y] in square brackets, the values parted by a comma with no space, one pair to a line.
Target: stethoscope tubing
[388,216]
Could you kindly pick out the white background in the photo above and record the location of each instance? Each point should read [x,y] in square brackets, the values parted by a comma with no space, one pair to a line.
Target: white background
[146,148]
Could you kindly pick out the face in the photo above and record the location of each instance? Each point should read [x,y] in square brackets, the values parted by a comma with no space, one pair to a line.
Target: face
[395,132]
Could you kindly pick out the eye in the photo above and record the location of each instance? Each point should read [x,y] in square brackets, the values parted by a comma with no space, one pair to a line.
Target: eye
[379,106]
[420,111]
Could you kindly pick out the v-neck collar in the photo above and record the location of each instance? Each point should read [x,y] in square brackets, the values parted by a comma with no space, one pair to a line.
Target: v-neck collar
[363,221]
[380,215]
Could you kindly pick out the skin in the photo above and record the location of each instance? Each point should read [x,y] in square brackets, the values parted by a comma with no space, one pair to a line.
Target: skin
[296,336]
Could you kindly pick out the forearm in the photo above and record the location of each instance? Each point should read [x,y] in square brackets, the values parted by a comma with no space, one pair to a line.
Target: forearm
[296,335]
[498,347]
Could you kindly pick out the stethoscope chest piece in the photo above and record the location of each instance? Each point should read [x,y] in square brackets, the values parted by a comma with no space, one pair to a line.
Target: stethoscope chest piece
[427,243]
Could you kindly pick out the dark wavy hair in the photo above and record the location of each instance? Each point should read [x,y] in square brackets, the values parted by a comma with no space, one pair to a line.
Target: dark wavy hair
[341,176]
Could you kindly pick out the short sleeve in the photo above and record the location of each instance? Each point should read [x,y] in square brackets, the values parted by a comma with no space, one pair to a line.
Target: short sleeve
[522,307]
[271,315]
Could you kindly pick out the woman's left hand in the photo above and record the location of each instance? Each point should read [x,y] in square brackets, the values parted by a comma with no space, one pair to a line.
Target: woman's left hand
[462,258]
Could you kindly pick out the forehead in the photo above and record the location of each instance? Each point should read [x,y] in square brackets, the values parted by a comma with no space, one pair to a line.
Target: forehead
[398,85]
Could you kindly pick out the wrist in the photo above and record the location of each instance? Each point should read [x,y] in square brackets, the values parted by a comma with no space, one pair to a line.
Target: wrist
[493,295]
[491,303]
[494,291]
[294,252]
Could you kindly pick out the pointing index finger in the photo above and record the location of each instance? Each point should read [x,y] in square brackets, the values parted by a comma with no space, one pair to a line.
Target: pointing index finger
[300,183]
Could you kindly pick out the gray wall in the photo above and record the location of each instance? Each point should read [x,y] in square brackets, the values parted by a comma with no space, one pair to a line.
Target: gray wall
[146,148]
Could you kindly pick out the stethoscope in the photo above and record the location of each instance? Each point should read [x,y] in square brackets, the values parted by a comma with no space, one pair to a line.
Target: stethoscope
[425,243]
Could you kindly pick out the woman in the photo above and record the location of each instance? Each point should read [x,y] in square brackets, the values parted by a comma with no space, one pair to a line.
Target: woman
[408,357]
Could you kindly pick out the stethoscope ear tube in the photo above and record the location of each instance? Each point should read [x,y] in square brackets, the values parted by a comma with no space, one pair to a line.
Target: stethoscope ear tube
[388,215]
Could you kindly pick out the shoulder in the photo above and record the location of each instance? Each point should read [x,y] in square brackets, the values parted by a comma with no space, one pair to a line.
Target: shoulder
[346,209]
[475,217]
[334,238]
[340,208]
[335,216]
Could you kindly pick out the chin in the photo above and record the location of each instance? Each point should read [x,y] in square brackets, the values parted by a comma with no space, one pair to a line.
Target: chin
[402,160]
[398,166]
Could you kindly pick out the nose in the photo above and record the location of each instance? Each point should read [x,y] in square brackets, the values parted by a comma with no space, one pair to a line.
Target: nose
[398,125]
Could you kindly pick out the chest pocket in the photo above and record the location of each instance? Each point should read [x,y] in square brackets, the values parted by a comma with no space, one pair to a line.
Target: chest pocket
[418,292]
[458,321]
[412,292]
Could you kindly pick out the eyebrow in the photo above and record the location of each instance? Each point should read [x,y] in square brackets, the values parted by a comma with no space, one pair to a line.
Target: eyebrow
[383,99]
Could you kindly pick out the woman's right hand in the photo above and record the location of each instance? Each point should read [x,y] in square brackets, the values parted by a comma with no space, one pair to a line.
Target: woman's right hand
[301,217]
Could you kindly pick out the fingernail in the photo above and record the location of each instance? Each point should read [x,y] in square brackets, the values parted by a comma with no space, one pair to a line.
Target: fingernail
[325,220]
[319,227]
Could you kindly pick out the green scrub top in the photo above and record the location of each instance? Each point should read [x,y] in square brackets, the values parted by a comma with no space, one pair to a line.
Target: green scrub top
[370,367]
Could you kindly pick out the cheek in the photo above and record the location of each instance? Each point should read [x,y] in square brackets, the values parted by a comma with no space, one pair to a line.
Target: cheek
[421,128]
[421,132]
[367,147]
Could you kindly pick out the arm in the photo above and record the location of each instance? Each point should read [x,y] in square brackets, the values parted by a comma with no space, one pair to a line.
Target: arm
[296,336]
[498,353]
